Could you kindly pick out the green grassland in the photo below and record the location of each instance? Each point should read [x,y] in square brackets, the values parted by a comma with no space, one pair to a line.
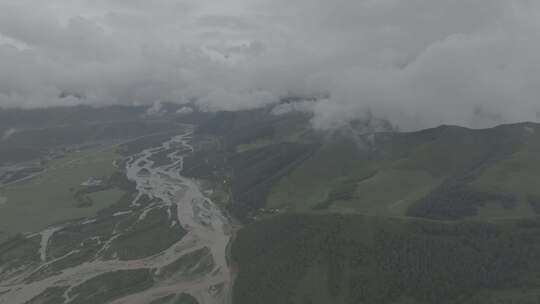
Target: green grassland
[50,198]
[291,129]
[111,285]
[146,237]
[19,252]
[310,182]
[182,298]
[392,174]
[192,264]
[384,186]
[388,192]
[519,173]
[50,295]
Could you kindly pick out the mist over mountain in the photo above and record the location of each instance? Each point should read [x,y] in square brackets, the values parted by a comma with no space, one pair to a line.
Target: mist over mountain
[417,64]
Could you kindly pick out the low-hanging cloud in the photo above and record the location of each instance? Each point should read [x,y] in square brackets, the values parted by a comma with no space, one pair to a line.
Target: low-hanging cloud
[416,63]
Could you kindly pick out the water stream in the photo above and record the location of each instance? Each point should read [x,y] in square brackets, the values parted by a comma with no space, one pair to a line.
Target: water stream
[206,227]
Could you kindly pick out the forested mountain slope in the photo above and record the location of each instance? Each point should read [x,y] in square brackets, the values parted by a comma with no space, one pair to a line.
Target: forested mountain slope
[357,259]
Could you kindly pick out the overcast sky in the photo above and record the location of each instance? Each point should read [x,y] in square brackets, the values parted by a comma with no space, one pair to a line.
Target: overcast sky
[418,63]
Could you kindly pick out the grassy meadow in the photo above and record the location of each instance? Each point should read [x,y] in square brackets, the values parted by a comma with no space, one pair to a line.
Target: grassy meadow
[49,198]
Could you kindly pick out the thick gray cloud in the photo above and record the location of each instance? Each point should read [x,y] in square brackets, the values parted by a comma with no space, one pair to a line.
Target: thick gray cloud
[417,63]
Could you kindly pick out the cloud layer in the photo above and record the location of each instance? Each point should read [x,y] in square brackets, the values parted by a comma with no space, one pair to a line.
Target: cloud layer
[417,63]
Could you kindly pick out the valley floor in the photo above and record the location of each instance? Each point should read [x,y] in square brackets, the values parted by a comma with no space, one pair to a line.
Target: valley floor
[191,266]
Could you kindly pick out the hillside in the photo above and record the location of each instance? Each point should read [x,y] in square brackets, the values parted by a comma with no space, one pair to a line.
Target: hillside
[358,259]
[445,173]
